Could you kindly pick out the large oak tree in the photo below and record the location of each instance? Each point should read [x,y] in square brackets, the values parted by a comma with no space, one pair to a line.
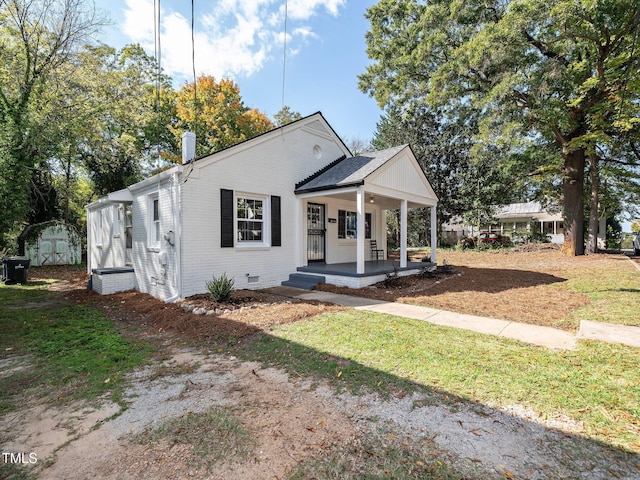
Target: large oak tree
[560,73]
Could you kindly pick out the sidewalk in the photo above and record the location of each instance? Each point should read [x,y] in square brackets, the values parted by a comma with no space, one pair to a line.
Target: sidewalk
[548,337]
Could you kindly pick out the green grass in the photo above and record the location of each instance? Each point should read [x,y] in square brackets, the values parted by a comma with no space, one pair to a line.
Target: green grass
[215,435]
[11,471]
[597,383]
[75,352]
[613,290]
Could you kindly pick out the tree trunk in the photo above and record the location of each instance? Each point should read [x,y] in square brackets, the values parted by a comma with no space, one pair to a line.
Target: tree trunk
[572,185]
[592,240]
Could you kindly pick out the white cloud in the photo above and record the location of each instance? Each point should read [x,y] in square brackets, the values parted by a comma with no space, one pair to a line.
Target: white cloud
[138,23]
[233,37]
[305,9]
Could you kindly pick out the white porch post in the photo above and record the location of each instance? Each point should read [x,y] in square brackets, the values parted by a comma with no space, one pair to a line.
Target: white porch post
[360,231]
[434,234]
[403,234]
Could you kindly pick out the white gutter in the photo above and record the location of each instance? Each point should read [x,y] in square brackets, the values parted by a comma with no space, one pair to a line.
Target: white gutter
[156,178]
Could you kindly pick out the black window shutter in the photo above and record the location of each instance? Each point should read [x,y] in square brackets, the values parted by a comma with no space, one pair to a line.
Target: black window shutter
[276,227]
[226,217]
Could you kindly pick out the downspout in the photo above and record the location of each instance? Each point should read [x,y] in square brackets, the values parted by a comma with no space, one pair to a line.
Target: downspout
[177,226]
[88,241]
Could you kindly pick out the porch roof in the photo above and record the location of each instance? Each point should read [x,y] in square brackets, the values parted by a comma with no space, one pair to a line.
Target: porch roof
[388,177]
[120,196]
[347,172]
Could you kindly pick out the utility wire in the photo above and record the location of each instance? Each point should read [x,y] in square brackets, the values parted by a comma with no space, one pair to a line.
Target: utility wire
[284,51]
[193,67]
[158,55]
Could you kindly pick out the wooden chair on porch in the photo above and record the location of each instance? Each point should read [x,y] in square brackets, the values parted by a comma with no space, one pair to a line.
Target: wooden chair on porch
[376,253]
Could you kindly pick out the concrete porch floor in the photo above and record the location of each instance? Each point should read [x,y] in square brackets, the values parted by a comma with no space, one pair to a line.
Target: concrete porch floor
[371,268]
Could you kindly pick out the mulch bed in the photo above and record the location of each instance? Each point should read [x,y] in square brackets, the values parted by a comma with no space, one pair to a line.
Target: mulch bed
[246,312]
[512,285]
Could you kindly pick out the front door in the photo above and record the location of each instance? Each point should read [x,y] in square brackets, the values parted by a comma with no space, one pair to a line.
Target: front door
[315,232]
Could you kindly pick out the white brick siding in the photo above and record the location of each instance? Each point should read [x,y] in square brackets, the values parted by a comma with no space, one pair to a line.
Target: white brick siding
[113,282]
[271,166]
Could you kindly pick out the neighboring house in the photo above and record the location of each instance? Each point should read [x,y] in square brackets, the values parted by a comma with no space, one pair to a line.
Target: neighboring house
[516,218]
[292,199]
[50,243]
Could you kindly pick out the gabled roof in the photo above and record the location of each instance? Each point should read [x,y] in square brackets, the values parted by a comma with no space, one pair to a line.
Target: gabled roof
[527,209]
[275,131]
[347,172]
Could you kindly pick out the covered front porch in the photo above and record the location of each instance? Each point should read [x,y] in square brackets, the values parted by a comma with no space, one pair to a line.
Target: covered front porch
[373,267]
[356,193]
[346,274]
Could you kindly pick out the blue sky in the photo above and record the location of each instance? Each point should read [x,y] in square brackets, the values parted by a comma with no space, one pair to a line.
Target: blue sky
[243,40]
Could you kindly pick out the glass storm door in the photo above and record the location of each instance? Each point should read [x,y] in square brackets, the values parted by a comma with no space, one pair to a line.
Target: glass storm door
[315,232]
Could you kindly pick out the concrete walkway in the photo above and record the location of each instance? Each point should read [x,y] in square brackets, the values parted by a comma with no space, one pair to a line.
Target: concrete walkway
[548,337]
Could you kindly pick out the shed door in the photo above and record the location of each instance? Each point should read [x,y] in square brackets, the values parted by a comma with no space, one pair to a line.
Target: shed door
[315,232]
[61,254]
[45,252]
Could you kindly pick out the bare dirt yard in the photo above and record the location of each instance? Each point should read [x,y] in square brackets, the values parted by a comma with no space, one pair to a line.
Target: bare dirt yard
[292,419]
[531,284]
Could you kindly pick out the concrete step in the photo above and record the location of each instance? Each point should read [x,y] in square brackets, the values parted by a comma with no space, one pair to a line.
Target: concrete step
[304,281]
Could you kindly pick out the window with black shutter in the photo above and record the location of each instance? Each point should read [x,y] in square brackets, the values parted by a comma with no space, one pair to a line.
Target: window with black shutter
[226,219]
[276,227]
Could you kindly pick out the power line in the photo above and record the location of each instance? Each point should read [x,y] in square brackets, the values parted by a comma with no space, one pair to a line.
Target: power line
[284,51]
[158,55]
[193,67]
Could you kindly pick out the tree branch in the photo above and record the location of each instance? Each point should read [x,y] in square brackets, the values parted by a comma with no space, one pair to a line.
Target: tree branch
[542,48]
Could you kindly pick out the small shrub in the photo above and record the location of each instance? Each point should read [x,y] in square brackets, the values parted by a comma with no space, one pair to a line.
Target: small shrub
[221,288]
[466,243]
[392,279]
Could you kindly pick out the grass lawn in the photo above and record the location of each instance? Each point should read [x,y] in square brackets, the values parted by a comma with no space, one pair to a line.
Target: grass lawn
[541,287]
[72,352]
[609,285]
[597,385]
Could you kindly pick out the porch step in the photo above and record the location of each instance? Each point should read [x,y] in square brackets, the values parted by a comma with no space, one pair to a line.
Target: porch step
[303,280]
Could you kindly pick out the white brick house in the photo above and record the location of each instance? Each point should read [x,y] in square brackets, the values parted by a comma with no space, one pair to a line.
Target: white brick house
[289,199]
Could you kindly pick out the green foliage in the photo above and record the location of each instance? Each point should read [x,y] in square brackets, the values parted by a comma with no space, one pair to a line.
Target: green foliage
[217,115]
[116,133]
[221,288]
[441,144]
[553,81]
[285,115]
[535,233]
[38,41]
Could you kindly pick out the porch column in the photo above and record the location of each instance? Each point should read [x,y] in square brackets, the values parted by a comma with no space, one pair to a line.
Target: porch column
[403,234]
[434,234]
[360,231]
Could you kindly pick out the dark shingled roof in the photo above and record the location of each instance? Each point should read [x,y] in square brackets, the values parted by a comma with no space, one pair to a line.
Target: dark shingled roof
[347,172]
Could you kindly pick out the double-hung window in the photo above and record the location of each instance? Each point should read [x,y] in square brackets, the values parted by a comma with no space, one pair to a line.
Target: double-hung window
[348,224]
[250,218]
[154,221]
[98,230]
